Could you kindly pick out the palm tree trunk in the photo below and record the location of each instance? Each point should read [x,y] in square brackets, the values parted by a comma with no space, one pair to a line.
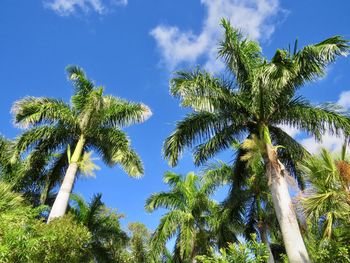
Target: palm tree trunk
[61,202]
[264,239]
[293,241]
[45,191]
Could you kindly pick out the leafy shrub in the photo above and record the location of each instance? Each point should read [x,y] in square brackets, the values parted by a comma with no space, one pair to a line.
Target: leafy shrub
[250,252]
[25,238]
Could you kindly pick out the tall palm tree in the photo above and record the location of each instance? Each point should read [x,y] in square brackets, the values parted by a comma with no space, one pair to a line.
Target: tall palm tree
[91,121]
[190,217]
[256,98]
[103,224]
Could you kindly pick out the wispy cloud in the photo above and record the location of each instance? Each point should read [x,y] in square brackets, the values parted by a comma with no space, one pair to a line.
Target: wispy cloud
[70,7]
[256,18]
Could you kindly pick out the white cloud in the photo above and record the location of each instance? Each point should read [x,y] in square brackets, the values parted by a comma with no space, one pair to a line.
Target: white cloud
[291,131]
[69,7]
[329,142]
[253,17]
[344,99]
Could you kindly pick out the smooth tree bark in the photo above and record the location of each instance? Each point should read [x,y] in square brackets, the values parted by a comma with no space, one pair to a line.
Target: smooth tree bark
[282,202]
[61,202]
[264,239]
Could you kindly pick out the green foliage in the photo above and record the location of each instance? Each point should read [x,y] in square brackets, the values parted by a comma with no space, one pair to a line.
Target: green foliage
[326,202]
[25,238]
[250,252]
[108,239]
[326,251]
[191,218]
[139,243]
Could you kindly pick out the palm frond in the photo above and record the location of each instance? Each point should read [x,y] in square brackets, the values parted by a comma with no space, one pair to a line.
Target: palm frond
[169,200]
[196,127]
[241,55]
[32,111]
[119,113]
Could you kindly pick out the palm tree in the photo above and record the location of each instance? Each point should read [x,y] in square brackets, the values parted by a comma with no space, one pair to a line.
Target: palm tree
[103,224]
[326,202]
[256,98]
[190,217]
[92,121]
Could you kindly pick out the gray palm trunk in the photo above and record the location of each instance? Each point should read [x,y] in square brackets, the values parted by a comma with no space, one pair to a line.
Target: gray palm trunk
[264,239]
[293,241]
[61,202]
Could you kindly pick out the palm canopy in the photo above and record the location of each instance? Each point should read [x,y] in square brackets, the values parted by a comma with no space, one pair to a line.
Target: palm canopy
[191,217]
[326,202]
[103,224]
[93,119]
[259,94]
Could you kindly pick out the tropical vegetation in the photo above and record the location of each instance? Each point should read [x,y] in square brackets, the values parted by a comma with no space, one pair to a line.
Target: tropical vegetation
[282,203]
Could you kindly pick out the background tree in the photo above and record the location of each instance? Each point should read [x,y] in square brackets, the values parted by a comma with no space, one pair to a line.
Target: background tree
[139,243]
[108,239]
[325,204]
[191,217]
[248,208]
[24,237]
[256,98]
[92,121]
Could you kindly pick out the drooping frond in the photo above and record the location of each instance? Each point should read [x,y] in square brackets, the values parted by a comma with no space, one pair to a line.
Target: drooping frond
[129,160]
[32,111]
[222,140]
[315,120]
[167,228]
[169,200]
[215,175]
[196,127]
[53,136]
[106,142]
[119,113]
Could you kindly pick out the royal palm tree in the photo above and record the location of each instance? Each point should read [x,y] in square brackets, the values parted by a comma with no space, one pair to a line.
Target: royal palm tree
[91,121]
[256,98]
[103,224]
[190,217]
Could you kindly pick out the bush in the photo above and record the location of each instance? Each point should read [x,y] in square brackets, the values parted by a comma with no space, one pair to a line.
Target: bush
[25,238]
[250,252]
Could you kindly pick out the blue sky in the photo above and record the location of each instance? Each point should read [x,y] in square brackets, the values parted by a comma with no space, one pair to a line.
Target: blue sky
[132,47]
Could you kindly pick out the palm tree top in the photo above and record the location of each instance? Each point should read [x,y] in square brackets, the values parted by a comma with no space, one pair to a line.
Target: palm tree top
[92,118]
[257,93]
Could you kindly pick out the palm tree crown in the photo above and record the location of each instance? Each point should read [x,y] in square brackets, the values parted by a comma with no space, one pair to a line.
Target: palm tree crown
[92,121]
[191,216]
[52,124]
[258,93]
